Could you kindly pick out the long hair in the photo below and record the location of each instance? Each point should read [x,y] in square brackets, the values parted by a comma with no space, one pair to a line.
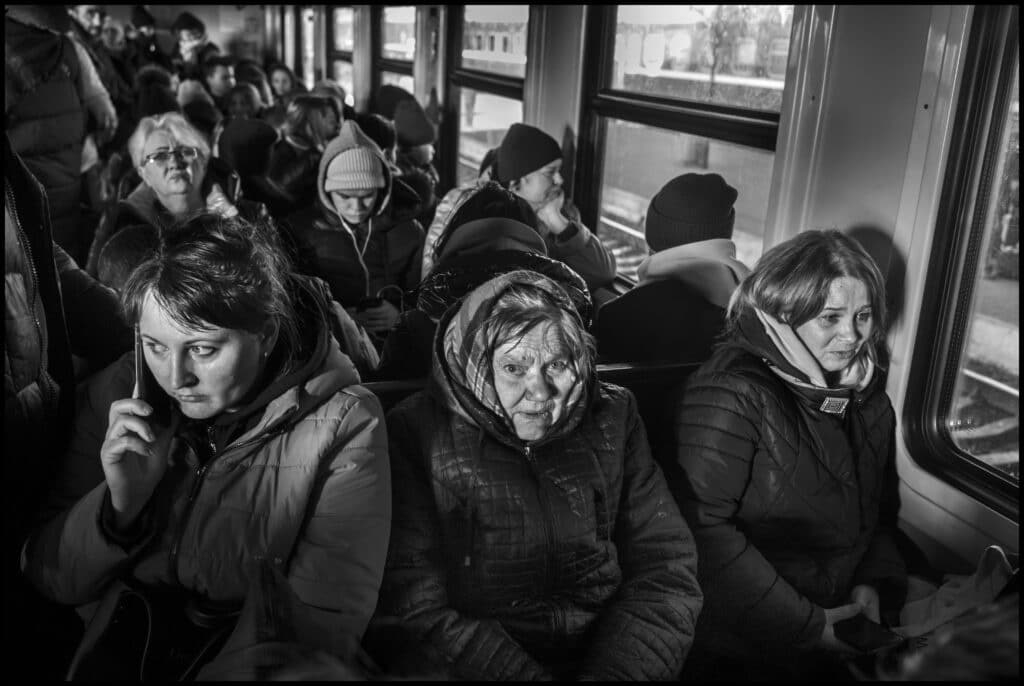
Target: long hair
[791,282]
[219,271]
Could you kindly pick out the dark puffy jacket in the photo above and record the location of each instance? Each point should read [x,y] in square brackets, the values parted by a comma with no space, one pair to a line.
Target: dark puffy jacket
[358,262]
[565,557]
[791,504]
[407,350]
[45,119]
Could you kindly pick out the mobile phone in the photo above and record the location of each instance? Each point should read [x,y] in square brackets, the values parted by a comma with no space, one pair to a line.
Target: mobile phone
[141,390]
[865,635]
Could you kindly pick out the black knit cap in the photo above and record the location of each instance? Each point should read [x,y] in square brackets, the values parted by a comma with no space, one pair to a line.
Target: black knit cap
[688,209]
[523,150]
[388,97]
[187,21]
[142,17]
[411,125]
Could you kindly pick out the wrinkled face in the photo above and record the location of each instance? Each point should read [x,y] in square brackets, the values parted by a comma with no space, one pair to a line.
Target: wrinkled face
[281,82]
[540,186]
[221,80]
[533,377]
[836,335]
[205,371]
[177,173]
[354,206]
[240,107]
[89,16]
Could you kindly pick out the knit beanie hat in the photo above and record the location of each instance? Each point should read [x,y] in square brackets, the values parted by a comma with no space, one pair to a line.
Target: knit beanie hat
[187,21]
[142,17]
[525,149]
[354,169]
[690,208]
[412,126]
[388,97]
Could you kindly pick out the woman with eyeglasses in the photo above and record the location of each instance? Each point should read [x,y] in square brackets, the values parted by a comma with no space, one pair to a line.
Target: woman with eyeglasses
[178,179]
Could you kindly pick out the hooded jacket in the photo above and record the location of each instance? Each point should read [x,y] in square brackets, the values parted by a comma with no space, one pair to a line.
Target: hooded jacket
[577,246]
[44,116]
[561,557]
[360,261]
[791,490]
[299,476]
[676,311]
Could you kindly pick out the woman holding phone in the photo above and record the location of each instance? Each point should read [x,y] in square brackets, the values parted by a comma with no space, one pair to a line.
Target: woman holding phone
[251,440]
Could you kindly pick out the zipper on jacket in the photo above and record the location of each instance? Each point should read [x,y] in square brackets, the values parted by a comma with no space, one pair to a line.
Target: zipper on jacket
[43,343]
[549,535]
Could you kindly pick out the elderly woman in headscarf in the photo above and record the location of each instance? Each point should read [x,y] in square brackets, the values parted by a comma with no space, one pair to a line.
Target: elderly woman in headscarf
[533,536]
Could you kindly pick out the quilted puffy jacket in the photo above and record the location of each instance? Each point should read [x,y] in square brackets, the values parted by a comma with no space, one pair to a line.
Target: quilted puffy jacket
[565,557]
[301,478]
[791,505]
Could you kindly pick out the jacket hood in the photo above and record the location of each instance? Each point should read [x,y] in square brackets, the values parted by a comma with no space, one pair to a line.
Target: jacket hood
[323,369]
[451,281]
[462,377]
[710,267]
[351,136]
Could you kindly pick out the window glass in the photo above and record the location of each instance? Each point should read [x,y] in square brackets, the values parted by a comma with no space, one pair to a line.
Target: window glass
[398,33]
[289,38]
[343,37]
[483,121]
[401,80]
[640,159]
[342,73]
[725,54]
[308,46]
[985,414]
[494,38]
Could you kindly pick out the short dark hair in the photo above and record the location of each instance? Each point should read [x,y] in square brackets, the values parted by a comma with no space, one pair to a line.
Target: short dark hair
[791,282]
[126,250]
[222,271]
[210,65]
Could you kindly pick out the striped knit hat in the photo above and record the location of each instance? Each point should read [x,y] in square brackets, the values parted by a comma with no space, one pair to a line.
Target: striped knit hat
[354,169]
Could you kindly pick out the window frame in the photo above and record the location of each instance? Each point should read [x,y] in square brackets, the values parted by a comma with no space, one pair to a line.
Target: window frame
[332,53]
[381,63]
[460,77]
[956,259]
[600,102]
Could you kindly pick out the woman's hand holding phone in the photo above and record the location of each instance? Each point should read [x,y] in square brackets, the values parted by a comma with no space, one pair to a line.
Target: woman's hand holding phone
[134,458]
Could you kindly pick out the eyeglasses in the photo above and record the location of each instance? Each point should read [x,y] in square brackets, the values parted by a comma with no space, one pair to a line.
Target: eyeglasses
[162,157]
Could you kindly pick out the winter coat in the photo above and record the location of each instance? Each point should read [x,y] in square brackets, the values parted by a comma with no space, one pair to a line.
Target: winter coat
[407,350]
[44,116]
[791,490]
[40,336]
[687,287]
[564,557]
[299,476]
[577,246]
[292,173]
[359,261]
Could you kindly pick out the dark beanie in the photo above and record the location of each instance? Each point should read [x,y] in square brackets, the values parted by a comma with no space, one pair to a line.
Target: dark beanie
[388,97]
[142,17]
[523,150]
[688,209]
[187,21]
[245,145]
[412,126]
[491,234]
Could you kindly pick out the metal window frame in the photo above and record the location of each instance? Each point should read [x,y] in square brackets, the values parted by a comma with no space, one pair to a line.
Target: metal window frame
[956,258]
[753,128]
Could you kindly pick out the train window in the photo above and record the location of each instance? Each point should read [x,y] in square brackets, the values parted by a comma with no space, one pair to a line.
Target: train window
[343,40]
[341,72]
[626,188]
[679,89]
[483,120]
[395,79]
[398,33]
[962,406]
[308,47]
[504,27]
[727,54]
[985,413]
